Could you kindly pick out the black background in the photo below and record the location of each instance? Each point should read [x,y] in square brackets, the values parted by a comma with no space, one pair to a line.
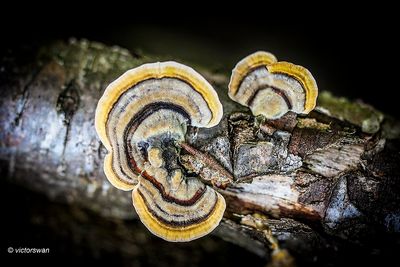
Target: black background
[351,51]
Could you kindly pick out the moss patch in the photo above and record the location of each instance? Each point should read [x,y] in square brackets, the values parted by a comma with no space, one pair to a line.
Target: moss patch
[91,63]
[360,114]
[312,123]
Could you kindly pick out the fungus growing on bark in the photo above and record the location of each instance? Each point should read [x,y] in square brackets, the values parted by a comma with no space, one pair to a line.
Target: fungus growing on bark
[141,119]
[271,88]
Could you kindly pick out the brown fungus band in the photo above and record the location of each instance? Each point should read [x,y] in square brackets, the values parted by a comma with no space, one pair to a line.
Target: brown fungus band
[271,88]
[140,119]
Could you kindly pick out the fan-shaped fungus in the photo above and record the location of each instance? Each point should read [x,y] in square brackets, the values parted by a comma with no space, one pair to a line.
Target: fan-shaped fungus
[140,119]
[272,88]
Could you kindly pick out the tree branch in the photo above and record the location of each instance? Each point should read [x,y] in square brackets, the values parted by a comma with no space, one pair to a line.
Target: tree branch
[333,174]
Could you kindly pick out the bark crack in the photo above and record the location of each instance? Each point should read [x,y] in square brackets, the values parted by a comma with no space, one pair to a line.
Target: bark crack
[68,104]
[21,103]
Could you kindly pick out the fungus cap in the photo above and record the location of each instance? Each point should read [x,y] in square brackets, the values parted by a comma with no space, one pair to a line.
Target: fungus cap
[272,88]
[139,119]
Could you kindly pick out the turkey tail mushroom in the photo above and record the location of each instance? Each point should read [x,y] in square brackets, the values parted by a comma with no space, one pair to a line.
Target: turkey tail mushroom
[140,119]
[272,88]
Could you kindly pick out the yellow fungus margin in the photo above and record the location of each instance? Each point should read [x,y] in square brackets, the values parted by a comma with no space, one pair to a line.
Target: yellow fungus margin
[303,76]
[244,66]
[178,234]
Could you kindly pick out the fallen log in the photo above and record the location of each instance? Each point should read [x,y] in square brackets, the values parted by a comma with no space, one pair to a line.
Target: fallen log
[329,179]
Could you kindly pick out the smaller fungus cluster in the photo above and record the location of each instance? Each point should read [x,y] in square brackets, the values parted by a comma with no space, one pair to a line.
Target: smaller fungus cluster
[272,88]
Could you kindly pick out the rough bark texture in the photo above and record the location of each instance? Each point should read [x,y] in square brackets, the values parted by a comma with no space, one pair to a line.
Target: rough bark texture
[321,183]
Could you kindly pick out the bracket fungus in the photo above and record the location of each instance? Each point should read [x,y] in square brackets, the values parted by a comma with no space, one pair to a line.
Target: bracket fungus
[271,88]
[141,119]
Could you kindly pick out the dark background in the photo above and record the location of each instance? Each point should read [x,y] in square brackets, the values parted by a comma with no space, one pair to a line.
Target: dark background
[350,52]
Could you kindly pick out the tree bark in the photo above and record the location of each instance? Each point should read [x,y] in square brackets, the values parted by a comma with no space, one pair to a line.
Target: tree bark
[318,182]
